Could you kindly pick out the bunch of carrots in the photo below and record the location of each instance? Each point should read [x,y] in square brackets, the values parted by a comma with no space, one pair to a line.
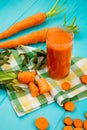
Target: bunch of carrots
[34,20]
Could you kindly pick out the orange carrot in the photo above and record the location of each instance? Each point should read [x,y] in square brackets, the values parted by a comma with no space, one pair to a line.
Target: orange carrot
[68,128]
[69,106]
[78,123]
[42,123]
[33,89]
[31,21]
[43,85]
[66,85]
[26,77]
[84,79]
[68,121]
[85,124]
[34,37]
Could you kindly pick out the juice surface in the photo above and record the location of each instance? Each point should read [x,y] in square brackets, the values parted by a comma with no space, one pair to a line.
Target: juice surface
[59,51]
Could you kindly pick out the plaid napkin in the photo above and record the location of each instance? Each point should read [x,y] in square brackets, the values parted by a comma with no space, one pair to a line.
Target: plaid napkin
[23,102]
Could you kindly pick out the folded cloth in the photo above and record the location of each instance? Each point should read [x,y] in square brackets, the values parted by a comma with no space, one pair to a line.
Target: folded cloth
[23,102]
[78,90]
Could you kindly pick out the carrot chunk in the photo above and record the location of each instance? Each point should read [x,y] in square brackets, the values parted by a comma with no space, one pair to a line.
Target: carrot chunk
[33,89]
[26,77]
[41,123]
[43,85]
[78,123]
[66,85]
[69,106]
[68,121]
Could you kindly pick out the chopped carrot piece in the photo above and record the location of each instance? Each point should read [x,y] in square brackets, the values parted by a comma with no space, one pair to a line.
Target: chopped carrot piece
[43,85]
[69,106]
[78,123]
[84,79]
[68,121]
[26,77]
[86,114]
[33,89]
[66,85]
[68,128]
[41,123]
[85,124]
[77,128]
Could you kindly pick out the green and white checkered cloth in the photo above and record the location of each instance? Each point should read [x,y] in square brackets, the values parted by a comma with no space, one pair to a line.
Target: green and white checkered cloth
[23,102]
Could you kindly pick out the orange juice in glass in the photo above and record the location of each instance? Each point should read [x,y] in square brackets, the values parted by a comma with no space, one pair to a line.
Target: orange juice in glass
[59,50]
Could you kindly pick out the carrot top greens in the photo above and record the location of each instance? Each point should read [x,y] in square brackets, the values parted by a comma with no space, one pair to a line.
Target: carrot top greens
[73,27]
[56,9]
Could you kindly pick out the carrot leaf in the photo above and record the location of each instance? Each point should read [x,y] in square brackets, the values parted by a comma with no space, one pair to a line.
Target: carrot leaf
[4,57]
[36,59]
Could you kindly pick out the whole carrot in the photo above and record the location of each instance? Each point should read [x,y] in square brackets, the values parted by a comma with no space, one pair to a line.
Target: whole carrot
[34,37]
[33,20]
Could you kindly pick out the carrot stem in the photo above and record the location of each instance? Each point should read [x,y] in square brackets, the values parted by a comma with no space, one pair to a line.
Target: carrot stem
[56,9]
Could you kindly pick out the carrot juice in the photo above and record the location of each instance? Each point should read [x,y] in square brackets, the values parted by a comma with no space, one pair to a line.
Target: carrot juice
[59,51]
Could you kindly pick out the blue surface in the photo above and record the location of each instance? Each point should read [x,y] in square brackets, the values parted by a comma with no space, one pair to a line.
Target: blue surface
[12,11]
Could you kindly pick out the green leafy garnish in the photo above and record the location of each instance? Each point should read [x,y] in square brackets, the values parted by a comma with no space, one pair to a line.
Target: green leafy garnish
[25,60]
[37,60]
[73,27]
[4,57]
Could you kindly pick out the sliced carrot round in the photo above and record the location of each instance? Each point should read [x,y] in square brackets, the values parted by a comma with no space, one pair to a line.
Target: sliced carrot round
[68,121]
[78,123]
[84,79]
[69,106]
[85,124]
[68,128]
[66,86]
[77,128]
[41,123]
[86,114]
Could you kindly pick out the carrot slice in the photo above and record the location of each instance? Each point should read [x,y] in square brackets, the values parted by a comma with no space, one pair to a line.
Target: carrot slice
[84,79]
[68,128]
[41,123]
[69,106]
[78,123]
[68,121]
[43,85]
[85,124]
[66,85]
[86,114]
[33,89]
[77,128]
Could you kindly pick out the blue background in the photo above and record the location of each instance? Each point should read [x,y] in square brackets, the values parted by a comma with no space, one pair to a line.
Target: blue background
[12,11]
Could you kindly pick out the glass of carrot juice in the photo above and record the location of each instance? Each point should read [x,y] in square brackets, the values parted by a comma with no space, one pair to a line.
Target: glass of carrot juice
[59,50]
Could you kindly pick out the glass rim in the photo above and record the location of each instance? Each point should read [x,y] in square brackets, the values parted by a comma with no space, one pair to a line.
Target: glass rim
[61,28]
